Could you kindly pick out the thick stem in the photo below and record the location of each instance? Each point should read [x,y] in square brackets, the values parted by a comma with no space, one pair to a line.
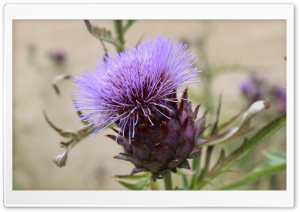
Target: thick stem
[168,181]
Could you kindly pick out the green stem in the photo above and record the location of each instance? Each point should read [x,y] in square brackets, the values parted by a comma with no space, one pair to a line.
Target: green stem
[168,181]
[128,25]
[205,170]
[120,34]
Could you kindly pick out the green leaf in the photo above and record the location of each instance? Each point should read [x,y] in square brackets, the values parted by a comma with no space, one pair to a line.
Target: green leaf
[142,181]
[275,156]
[274,159]
[141,185]
[257,139]
[250,144]
[102,34]
[255,176]
[276,163]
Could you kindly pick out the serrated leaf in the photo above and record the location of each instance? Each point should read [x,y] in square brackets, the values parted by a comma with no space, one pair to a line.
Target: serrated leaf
[257,139]
[101,34]
[251,143]
[274,158]
[255,176]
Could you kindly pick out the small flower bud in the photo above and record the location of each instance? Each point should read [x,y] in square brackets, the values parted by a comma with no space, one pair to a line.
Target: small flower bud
[58,56]
[61,159]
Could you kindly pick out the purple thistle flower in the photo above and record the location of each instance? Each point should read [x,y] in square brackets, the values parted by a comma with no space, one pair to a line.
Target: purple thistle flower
[137,90]
[134,85]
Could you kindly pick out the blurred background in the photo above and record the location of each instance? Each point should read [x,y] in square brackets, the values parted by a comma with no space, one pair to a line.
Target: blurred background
[242,60]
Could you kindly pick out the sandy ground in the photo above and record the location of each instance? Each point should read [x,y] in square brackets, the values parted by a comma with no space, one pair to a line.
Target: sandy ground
[255,45]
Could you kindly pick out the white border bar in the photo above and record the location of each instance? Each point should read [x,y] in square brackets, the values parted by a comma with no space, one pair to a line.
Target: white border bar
[148,11]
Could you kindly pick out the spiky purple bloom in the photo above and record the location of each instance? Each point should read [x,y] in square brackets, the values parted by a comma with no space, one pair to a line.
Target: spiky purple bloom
[136,83]
[137,90]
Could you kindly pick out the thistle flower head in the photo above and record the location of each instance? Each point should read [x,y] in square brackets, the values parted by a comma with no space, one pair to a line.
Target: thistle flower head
[137,91]
[134,85]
